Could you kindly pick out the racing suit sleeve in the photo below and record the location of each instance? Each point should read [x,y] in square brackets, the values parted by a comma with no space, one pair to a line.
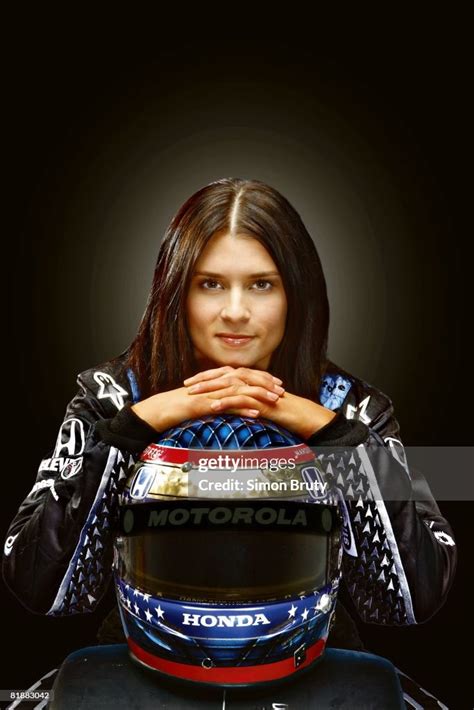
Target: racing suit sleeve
[400,555]
[58,553]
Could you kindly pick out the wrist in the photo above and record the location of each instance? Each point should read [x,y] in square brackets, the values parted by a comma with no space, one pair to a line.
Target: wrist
[148,412]
[314,420]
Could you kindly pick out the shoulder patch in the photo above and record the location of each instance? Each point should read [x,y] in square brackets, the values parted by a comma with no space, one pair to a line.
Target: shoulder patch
[360,411]
[362,401]
[334,389]
[109,383]
[110,389]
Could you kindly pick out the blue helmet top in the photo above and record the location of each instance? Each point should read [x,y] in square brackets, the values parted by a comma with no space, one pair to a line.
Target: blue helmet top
[227,431]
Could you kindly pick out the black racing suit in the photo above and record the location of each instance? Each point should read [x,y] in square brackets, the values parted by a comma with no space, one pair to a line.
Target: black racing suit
[399,556]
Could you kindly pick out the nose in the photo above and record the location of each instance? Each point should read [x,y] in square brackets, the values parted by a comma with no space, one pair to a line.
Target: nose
[235,307]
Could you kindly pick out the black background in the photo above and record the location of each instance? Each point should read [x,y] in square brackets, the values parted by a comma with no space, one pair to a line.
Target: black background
[400,98]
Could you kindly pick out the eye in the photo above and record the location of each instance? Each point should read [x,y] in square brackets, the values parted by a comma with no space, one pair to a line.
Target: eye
[210,284]
[263,285]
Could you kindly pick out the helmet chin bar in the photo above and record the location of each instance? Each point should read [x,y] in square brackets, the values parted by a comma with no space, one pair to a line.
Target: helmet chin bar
[222,644]
[231,584]
[231,677]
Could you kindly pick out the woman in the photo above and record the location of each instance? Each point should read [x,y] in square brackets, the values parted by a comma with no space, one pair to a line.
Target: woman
[236,321]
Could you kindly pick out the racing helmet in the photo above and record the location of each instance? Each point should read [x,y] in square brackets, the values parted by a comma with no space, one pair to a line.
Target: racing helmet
[227,561]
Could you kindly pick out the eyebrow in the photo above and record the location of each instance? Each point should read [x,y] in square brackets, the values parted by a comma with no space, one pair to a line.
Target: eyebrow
[252,276]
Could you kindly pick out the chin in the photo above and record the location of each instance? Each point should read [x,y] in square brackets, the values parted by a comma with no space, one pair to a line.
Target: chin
[236,361]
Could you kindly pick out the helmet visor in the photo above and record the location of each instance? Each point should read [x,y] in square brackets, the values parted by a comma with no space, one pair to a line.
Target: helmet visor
[228,551]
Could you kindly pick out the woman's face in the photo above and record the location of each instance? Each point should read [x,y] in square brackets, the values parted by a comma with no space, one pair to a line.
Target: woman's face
[236,305]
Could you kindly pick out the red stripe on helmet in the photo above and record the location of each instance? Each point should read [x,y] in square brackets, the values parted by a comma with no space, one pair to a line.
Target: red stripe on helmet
[164,454]
[173,455]
[227,675]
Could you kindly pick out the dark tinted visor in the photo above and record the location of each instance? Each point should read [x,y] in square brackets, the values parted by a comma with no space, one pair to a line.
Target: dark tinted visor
[228,552]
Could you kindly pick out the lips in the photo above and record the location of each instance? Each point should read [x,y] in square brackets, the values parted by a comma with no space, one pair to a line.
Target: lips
[235,339]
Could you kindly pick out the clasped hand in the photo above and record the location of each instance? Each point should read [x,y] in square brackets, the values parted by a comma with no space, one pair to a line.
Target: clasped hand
[256,393]
[242,391]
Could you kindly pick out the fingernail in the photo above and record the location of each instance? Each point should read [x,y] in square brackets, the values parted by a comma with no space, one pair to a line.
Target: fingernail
[215,405]
[278,389]
[194,388]
[254,412]
[277,380]
[272,395]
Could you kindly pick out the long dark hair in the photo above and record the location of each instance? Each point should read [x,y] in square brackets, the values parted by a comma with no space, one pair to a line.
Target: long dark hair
[161,354]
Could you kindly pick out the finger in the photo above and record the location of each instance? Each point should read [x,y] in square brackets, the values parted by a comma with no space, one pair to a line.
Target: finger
[239,401]
[208,374]
[246,373]
[245,412]
[259,378]
[228,381]
[218,383]
[259,393]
